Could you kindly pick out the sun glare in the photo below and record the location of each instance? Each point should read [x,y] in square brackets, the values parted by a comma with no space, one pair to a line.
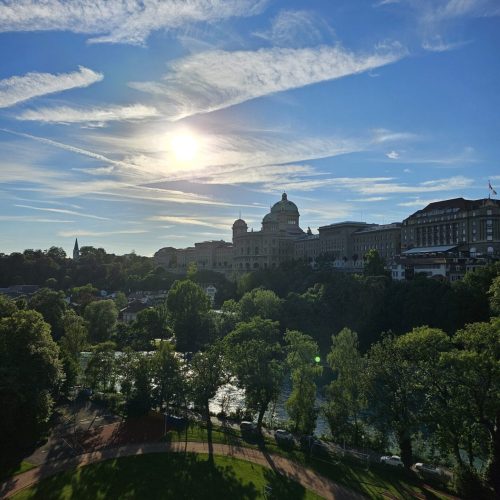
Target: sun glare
[184,147]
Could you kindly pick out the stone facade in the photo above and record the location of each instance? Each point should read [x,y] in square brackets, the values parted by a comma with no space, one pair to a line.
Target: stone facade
[471,225]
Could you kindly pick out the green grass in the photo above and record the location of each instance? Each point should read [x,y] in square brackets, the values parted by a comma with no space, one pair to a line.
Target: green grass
[167,475]
[374,483]
[18,469]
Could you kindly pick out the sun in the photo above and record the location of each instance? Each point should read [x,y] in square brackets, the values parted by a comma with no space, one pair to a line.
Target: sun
[184,147]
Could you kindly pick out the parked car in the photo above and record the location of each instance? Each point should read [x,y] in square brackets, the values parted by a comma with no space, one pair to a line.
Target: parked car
[428,470]
[175,422]
[247,427]
[313,445]
[393,460]
[284,438]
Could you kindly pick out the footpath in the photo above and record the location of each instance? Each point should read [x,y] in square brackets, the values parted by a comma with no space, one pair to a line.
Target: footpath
[306,477]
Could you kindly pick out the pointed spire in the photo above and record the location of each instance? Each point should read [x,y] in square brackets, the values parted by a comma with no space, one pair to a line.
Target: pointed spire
[76,250]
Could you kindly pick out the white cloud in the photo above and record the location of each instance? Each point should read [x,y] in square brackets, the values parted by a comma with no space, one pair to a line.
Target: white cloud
[217,79]
[118,21]
[292,28]
[62,211]
[21,88]
[393,155]
[28,218]
[214,222]
[417,203]
[382,135]
[83,232]
[371,199]
[66,114]
[437,44]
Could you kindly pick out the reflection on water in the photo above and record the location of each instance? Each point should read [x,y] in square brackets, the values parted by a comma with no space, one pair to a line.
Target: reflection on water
[229,398]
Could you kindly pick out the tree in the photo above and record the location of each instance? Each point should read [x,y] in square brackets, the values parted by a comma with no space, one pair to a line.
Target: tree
[256,358]
[52,306]
[188,308]
[207,375]
[30,372]
[259,302]
[101,317]
[304,366]
[83,295]
[494,293]
[139,401]
[398,382]
[475,364]
[7,306]
[345,398]
[101,370]
[75,335]
[374,264]
[120,300]
[168,384]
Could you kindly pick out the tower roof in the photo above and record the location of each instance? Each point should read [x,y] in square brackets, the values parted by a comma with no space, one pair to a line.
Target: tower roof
[284,205]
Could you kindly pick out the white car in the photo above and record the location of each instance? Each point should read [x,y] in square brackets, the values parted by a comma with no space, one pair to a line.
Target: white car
[393,460]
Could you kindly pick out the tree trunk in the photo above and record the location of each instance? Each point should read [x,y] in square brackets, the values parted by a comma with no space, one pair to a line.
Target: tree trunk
[405,445]
[262,410]
[209,433]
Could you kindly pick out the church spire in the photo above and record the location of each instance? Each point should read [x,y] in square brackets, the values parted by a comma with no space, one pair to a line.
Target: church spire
[76,250]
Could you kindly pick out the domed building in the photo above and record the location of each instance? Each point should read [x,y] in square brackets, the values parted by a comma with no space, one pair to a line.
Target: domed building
[273,244]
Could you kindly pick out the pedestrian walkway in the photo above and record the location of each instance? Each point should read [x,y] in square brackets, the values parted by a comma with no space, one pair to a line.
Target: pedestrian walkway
[306,477]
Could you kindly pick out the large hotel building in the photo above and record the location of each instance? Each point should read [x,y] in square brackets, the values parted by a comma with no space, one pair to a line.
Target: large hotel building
[458,227]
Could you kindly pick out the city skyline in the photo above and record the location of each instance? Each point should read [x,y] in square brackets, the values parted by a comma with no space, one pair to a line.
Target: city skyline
[159,125]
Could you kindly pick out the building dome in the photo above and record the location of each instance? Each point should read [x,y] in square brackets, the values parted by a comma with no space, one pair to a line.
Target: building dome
[284,205]
[239,223]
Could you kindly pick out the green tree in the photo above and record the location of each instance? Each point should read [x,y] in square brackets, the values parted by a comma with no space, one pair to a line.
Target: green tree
[30,372]
[52,306]
[7,306]
[188,308]
[494,293]
[345,395]
[139,402]
[101,370]
[83,295]
[207,375]
[398,383]
[374,264]
[259,302]
[101,317]
[120,300]
[302,352]
[75,336]
[168,383]
[256,358]
[475,364]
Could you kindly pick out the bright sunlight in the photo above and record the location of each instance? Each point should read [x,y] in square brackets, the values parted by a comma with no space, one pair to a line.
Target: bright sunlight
[184,147]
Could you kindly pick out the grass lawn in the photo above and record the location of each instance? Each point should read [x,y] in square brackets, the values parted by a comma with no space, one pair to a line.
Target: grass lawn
[374,482]
[167,475]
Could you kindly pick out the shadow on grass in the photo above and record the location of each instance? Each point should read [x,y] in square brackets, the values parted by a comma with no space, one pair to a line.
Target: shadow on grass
[146,477]
[280,487]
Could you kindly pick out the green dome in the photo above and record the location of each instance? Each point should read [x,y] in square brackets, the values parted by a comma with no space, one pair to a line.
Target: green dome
[284,206]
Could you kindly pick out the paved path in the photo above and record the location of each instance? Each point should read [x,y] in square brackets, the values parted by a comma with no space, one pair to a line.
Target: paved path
[306,477]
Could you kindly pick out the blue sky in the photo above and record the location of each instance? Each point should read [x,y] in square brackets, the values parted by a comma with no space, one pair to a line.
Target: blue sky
[138,125]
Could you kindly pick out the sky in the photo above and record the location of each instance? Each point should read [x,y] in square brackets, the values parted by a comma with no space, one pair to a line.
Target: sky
[135,125]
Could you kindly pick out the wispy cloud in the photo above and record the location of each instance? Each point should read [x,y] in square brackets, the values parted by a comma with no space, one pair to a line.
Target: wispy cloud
[371,199]
[83,232]
[393,155]
[292,28]
[63,211]
[193,221]
[437,44]
[21,88]
[218,79]
[417,202]
[118,21]
[28,218]
[66,114]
